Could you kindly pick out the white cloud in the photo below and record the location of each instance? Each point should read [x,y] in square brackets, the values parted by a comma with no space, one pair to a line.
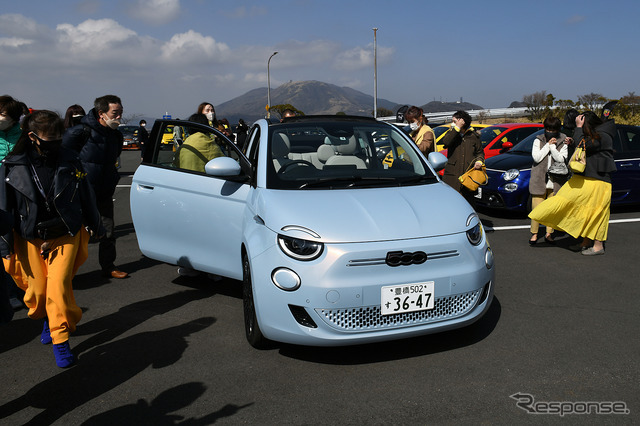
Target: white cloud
[361,57]
[14,42]
[102,39]
[576,19]
[17,25]
[192,47]
[243,12]
[155,12]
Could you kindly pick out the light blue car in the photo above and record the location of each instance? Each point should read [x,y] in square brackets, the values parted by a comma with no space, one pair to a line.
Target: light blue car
[333,244]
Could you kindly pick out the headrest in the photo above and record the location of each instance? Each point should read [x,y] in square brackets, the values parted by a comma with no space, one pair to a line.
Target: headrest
[346,147]
[325,152]
[280,145]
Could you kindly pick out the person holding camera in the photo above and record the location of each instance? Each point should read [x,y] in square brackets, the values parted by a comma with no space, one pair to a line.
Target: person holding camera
[549,171]
[464,152]
[44,188]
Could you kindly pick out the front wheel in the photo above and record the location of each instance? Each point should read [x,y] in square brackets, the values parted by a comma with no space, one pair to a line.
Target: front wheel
[251,327]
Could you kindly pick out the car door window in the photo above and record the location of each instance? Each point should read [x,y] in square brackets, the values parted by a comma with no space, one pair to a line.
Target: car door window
[189,146]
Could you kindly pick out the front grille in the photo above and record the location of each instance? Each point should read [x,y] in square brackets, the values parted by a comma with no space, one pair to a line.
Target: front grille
[368,318]
[382,260]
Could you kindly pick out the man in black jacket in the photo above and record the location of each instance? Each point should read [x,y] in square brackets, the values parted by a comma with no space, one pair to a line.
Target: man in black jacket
[99,144]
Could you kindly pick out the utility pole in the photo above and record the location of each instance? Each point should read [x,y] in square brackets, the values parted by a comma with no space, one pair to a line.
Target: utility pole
[375,74]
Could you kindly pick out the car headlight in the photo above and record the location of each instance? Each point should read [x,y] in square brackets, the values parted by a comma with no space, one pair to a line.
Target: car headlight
[511,174]
[299,249]
[474,235]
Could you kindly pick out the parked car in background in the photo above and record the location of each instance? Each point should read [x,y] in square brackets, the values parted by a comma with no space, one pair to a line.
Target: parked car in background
[439,132]
[332,245]
[509,173]
[130,134]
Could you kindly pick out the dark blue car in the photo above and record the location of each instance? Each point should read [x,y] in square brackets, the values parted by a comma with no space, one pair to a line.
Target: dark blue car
[509,173]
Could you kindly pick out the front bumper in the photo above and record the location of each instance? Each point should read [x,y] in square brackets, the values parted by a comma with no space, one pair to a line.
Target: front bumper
[338,301]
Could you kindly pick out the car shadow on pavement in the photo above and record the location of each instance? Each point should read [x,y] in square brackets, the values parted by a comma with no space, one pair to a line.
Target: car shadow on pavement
[158,411]
[400,349]
[104,368]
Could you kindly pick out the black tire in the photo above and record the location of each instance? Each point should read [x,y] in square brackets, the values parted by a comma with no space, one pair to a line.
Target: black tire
[251,326]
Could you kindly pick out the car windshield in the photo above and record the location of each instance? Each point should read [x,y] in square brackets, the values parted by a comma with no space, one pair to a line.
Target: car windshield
[128,130]
[489,133]
[343,154]
[526,145]
[437,131]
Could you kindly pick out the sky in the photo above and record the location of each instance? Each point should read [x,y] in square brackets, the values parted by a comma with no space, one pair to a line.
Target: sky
[168,56]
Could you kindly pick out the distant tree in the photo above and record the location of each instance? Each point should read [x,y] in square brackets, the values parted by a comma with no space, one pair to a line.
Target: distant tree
[131,118]
[341,113]
[591,101]
[281,107]
[628,106]
[383,112]
[538,104]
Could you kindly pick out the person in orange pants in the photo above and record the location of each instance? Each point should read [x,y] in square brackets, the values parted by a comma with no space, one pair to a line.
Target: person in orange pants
[47,282]
[43,188]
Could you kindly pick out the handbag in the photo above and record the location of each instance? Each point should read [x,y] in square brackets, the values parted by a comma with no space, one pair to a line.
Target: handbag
[578,160]
[473,178]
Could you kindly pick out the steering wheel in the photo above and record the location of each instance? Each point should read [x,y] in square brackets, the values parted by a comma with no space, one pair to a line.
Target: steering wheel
[296,163]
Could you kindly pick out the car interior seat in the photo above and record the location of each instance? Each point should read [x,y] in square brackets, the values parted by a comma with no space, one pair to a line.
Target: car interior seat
[344,153]
[280,147]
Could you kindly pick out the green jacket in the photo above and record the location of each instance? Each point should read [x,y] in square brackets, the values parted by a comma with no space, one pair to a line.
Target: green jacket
[8,139]
[196,151]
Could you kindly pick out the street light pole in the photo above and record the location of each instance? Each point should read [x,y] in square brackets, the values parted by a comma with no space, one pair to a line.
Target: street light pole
[269,86]
[375,74]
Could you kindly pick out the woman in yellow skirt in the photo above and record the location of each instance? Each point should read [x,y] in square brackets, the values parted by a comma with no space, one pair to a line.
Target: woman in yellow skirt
[581,206]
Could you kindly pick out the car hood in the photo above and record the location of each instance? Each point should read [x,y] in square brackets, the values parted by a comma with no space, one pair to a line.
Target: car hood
[360,215]
[509,161]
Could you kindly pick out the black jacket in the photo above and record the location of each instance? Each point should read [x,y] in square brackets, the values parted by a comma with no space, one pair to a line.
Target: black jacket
[74,200]
[600,162]
[99,148]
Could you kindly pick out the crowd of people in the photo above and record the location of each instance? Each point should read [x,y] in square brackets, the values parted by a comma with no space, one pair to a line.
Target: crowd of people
[58,178]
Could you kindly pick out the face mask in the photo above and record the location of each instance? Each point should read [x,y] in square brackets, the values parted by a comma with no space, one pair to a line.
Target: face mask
[414,126]
[209,116]
[550,135]
[48,147]
[112,123]
[143,125]
[5,123]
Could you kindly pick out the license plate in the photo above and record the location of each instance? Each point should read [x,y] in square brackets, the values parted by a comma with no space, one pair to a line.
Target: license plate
[396,299]
[479,194]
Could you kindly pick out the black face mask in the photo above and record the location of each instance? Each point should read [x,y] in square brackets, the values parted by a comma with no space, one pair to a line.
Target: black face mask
[550,135]
[48,147]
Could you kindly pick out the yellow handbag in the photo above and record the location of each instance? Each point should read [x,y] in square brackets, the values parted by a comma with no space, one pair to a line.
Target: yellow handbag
[473,178]
[578,160]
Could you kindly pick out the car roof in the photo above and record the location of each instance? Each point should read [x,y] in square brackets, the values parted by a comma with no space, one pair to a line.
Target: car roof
[325,118]
[512,125]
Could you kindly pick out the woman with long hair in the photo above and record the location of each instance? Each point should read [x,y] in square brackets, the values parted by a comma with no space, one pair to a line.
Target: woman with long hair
[73,116]
[43,188]
[581,207]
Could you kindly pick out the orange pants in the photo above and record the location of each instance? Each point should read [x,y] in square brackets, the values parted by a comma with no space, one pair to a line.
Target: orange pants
[47,283]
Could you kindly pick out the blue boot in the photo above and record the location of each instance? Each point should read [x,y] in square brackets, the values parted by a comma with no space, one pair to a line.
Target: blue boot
[45,337]
[63,354]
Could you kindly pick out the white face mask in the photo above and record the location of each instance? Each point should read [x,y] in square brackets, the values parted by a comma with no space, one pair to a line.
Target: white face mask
[209,116]
[112,123]
[5,123]
[414,126]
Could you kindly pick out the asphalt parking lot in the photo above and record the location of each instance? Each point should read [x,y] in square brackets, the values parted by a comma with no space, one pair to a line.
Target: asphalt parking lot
[159,349]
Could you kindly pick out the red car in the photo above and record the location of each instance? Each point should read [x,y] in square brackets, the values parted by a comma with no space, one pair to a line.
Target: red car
[500,138]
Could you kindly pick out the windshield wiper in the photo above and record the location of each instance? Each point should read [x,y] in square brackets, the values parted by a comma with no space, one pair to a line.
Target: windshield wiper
[349,180]
[417,179]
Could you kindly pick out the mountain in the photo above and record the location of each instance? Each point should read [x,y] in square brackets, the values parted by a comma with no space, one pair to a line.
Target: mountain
[435,106]
[310,97]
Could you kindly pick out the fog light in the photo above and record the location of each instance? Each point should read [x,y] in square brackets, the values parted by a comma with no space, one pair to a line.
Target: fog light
[510,187]
[285,279]
[488,258]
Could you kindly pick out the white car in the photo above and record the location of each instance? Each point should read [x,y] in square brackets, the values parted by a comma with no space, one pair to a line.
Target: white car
[332,245]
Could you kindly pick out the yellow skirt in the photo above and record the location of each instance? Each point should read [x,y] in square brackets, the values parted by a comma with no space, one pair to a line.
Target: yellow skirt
[580,208]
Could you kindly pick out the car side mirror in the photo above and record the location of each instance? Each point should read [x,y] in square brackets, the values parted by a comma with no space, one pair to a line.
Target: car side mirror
[222,166]
[507,146]
[437,160]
